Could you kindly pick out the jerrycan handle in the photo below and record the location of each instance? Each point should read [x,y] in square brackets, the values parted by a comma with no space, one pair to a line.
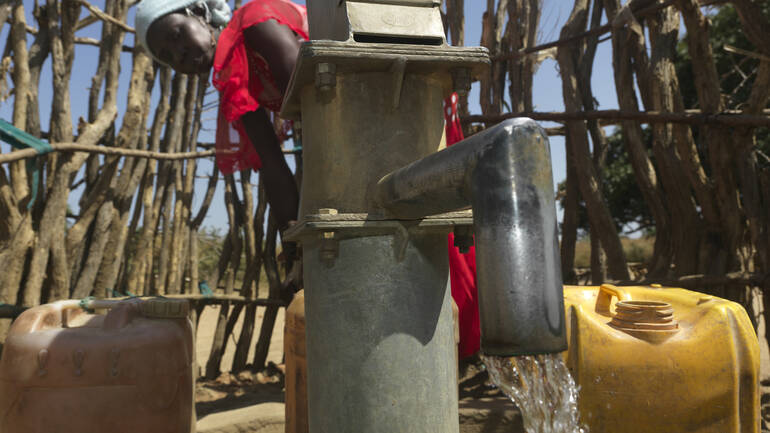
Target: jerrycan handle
[55,315]
[604,298]
[121,313]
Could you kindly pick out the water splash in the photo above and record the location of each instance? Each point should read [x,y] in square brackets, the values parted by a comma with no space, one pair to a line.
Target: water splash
[542,388]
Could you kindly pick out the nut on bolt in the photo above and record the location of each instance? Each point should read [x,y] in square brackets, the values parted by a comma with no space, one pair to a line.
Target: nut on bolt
[327,211]
[325,76]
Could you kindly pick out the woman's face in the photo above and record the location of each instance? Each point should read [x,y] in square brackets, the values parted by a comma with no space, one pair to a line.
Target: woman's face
[183,42]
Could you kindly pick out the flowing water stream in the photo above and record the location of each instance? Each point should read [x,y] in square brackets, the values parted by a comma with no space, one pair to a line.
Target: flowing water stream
[542,388]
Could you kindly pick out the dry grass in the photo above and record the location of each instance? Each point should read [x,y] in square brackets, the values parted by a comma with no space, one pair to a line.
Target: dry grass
[636,250]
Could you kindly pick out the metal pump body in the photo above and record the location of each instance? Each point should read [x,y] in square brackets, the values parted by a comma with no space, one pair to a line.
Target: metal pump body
[379,333]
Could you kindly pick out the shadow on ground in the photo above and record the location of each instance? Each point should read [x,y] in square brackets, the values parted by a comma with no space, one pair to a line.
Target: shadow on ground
[230,392]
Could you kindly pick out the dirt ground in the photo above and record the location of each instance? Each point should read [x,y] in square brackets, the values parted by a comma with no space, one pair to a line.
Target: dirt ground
[228,393]
[232,393]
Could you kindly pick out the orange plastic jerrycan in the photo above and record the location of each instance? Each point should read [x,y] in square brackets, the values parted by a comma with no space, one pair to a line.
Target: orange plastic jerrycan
[296,366]
[130,370]
[651,359]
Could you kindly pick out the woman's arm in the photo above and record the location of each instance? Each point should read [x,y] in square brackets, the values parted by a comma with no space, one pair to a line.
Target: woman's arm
[278,45]
[281,190]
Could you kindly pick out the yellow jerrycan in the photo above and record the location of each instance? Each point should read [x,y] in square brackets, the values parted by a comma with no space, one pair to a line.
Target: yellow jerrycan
[651,359]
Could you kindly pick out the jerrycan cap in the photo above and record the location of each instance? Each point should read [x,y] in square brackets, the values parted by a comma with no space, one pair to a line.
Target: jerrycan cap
[652,321]
[649,315]
[163,308]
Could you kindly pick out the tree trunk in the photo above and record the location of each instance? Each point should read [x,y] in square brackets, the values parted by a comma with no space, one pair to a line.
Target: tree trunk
[254,263]
[235,244]
[716,139]
[568,57]
[570,221]
[219,343]
[16,221]
[644,172]
[271,311]
[524,18]
[143,257]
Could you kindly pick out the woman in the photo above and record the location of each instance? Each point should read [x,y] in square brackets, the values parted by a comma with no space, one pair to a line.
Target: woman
[253,55]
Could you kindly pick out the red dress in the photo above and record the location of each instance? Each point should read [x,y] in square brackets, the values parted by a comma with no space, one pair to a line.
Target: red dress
[244,80]
[462,267]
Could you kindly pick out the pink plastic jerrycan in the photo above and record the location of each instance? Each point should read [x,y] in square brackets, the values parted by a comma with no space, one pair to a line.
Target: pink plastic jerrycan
[130,370]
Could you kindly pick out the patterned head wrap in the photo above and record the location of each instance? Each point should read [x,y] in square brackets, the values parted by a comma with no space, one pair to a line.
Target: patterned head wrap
[217,14]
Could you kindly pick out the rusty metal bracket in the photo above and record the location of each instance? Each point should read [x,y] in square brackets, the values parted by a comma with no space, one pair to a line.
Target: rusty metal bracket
[353,225]
[351,57]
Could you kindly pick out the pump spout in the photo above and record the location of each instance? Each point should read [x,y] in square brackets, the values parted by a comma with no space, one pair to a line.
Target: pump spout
[504,173]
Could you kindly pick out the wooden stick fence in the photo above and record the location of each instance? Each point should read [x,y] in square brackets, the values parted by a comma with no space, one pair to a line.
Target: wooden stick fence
[160,264]
[726,119]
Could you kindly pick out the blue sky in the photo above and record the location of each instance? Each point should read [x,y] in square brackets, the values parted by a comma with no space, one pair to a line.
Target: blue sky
[547,88]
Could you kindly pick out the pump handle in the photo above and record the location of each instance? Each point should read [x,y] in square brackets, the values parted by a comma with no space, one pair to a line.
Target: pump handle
[604,298]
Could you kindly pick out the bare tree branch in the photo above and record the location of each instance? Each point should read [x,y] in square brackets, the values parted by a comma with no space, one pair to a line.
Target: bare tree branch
[105,17]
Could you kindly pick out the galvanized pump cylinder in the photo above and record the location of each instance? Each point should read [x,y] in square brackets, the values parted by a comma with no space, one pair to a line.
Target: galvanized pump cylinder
[380,339]
[377,326]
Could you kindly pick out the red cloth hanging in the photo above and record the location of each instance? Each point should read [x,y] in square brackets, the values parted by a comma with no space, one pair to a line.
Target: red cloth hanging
[462,267]
[244,80]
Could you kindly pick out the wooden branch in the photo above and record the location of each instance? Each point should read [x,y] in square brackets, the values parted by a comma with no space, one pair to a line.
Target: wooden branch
[83,40]
[96,43]
[22,81]
[593,32]
[736,50]
[85,22]
[588,177]
[143,256]
[274,279]
[106,17]
[723,119]
[75,147]
[560,130]
[753,24]
[207,198]
[284,151]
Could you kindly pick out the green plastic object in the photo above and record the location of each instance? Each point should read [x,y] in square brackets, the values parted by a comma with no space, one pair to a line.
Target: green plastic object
[119,294]
[205,290]
[23,140]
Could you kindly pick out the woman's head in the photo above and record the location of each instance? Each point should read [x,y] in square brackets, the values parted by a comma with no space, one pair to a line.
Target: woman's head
[181,33]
